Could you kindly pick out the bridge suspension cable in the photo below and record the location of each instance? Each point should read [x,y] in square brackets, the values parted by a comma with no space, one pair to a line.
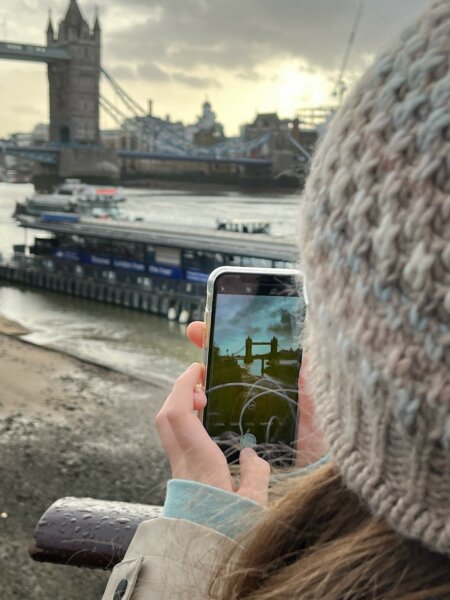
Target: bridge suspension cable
[135,107]
[238,351]
[120,119]
[162,136]
[340,87]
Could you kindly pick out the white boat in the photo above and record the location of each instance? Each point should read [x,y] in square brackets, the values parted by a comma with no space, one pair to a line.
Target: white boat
[73,196]
[243,226]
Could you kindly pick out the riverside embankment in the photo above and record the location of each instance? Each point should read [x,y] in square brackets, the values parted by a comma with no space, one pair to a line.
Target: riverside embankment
[67,428]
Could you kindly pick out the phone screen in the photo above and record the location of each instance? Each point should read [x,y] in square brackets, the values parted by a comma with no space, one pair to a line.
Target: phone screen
[254,358]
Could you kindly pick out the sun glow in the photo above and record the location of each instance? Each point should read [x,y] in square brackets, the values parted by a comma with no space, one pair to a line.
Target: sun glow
[297,86]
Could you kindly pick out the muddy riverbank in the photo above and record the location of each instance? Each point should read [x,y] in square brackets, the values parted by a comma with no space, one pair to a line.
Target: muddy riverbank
[67,428]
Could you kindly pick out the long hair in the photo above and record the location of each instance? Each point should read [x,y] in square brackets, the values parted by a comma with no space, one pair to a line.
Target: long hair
[319,542]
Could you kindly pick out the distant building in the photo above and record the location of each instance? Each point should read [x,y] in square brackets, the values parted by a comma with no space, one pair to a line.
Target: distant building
[263,123]
[74,85]
[207,131]
[40,134]
[154,134]
[21,138]
[112,138]
[37,137]
[283,131]
[316,117]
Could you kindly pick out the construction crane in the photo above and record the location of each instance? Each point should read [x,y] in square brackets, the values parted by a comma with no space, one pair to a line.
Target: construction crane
[340,87]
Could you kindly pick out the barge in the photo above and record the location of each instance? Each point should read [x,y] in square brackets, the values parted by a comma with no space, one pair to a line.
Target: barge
[158,269]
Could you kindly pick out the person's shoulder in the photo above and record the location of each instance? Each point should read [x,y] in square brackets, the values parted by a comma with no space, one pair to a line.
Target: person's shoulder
[168,558]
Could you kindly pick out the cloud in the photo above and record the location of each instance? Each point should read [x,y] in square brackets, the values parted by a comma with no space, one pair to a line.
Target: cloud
[184,35]
[25,109]
[248,75]
[123,72]
[232,33]
[195,81]
[235,47]
[239,35]
[286,323]
[187,55]
[255,316]
[152,72]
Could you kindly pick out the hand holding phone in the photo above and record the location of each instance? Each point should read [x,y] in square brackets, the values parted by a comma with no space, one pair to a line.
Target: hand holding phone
[311,445]
[192,453]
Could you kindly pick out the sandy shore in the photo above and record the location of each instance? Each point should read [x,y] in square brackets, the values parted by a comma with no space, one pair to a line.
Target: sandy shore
[67,428]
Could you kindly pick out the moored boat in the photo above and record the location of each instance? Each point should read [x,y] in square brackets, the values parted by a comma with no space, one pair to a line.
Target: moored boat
[75,197]
[154,268]
[243,226]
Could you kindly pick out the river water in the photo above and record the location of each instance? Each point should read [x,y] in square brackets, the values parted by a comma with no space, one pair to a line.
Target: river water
[140,344]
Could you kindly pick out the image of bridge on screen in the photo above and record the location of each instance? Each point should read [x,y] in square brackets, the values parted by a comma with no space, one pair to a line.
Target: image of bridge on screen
[252,386]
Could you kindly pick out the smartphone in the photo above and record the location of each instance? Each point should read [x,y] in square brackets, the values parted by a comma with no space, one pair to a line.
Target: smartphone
[254,319]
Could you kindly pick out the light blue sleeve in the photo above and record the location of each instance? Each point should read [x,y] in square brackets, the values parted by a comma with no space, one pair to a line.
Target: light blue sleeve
[223,511]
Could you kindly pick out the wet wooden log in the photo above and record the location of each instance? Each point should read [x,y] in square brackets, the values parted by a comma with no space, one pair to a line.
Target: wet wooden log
[84,532]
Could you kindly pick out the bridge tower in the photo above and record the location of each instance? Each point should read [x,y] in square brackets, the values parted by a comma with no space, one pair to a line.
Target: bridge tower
[74,85]
[273,347]
[248,359]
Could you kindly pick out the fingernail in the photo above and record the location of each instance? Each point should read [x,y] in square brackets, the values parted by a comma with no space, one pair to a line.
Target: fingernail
[194,364]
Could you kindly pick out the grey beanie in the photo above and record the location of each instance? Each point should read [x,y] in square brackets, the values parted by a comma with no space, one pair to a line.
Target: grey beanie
[375,249]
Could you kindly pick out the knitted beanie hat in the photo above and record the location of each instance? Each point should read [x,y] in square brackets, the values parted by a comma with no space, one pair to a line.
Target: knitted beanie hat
[375,249]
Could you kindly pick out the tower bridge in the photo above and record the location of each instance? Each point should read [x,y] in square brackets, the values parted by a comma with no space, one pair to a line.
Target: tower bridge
[73,58]
[33,53]
[250,357]
[45,155]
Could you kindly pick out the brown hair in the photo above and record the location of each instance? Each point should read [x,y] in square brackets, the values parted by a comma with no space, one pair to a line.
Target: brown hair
[319,542]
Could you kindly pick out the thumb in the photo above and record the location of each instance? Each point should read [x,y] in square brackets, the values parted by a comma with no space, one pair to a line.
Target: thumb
[255,474]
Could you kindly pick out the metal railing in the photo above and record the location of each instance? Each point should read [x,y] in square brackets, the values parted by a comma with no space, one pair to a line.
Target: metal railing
[83,532]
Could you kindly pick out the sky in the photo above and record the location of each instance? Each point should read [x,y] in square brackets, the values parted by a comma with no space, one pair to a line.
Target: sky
[260,317]
[244,56]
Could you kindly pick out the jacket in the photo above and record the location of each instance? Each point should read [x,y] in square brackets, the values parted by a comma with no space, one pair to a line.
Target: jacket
[168,559]
[173,557]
